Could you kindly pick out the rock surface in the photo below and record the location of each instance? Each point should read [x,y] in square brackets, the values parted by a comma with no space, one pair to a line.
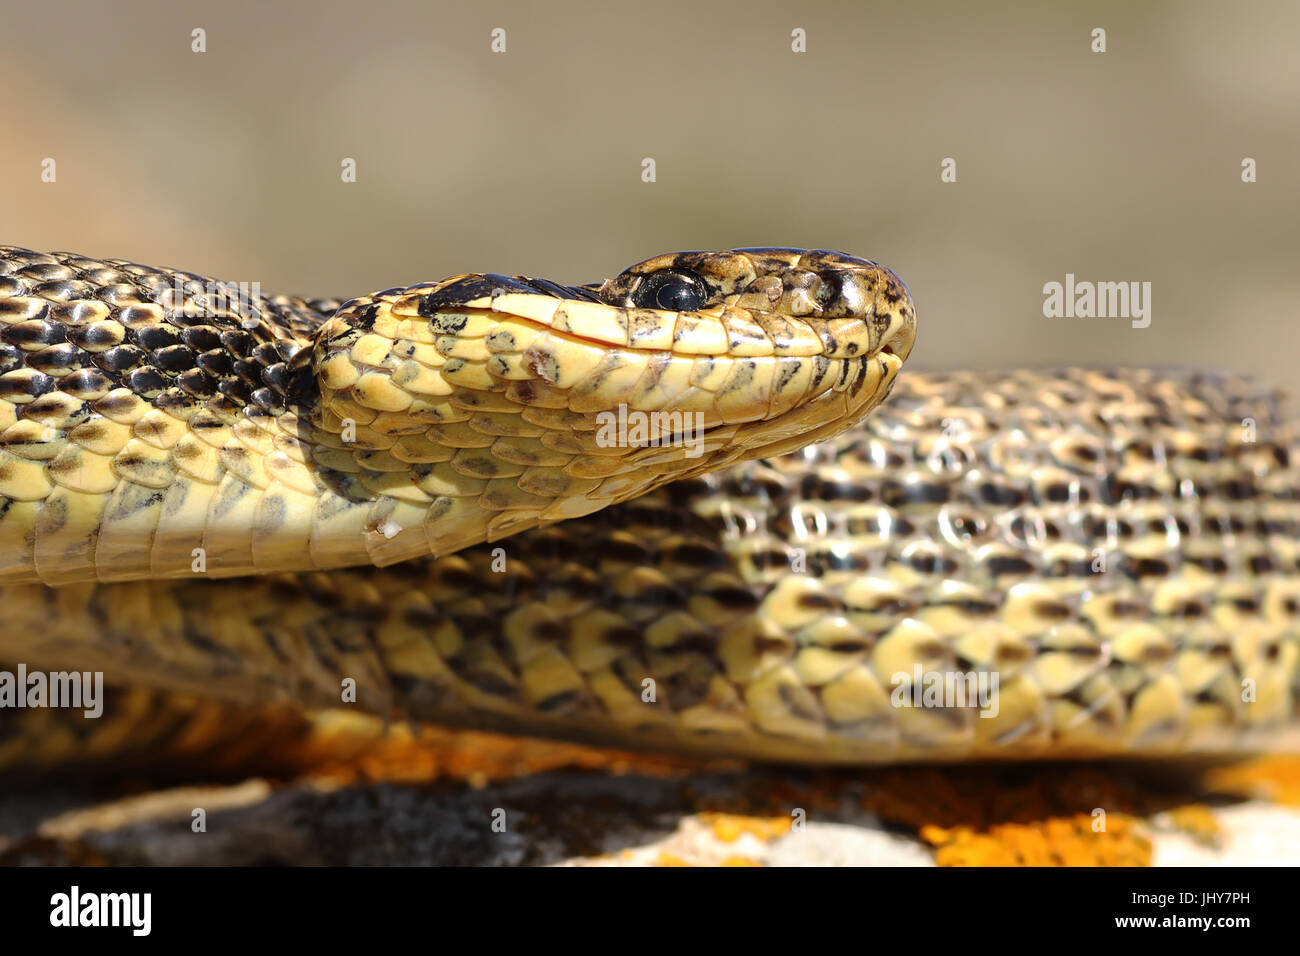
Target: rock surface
[1034,814]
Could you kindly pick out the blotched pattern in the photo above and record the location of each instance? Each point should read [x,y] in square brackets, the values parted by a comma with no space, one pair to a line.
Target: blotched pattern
[1120,548]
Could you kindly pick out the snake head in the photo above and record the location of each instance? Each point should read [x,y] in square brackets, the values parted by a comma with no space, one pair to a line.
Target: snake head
[814,339]
[486,404]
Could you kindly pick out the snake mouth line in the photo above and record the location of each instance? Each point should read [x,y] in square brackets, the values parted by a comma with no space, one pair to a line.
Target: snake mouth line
[720,330]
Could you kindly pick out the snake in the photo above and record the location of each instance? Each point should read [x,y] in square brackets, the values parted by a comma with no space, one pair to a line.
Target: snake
[422,504]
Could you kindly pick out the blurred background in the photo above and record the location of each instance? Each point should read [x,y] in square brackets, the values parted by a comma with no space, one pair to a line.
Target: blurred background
[1116,166]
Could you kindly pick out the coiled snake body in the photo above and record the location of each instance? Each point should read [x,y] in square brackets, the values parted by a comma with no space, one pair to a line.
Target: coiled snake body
[240,500]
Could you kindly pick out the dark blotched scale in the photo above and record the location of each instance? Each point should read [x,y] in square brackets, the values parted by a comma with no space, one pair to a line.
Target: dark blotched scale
[120,358]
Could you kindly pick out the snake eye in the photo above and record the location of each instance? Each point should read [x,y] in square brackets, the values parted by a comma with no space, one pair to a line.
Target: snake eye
[671,291]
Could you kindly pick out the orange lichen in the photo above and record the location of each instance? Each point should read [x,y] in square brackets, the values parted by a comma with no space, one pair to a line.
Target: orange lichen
[1069,841]
[729,827]
[1273,778]
[401,756]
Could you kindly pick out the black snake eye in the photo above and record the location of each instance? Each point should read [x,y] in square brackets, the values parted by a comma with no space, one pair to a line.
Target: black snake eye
[671,291]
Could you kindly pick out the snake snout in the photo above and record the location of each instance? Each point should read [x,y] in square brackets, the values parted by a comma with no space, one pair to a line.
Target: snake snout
[894,317]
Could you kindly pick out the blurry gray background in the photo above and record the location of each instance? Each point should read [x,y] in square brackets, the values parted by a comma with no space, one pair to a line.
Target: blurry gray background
[1117,166]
